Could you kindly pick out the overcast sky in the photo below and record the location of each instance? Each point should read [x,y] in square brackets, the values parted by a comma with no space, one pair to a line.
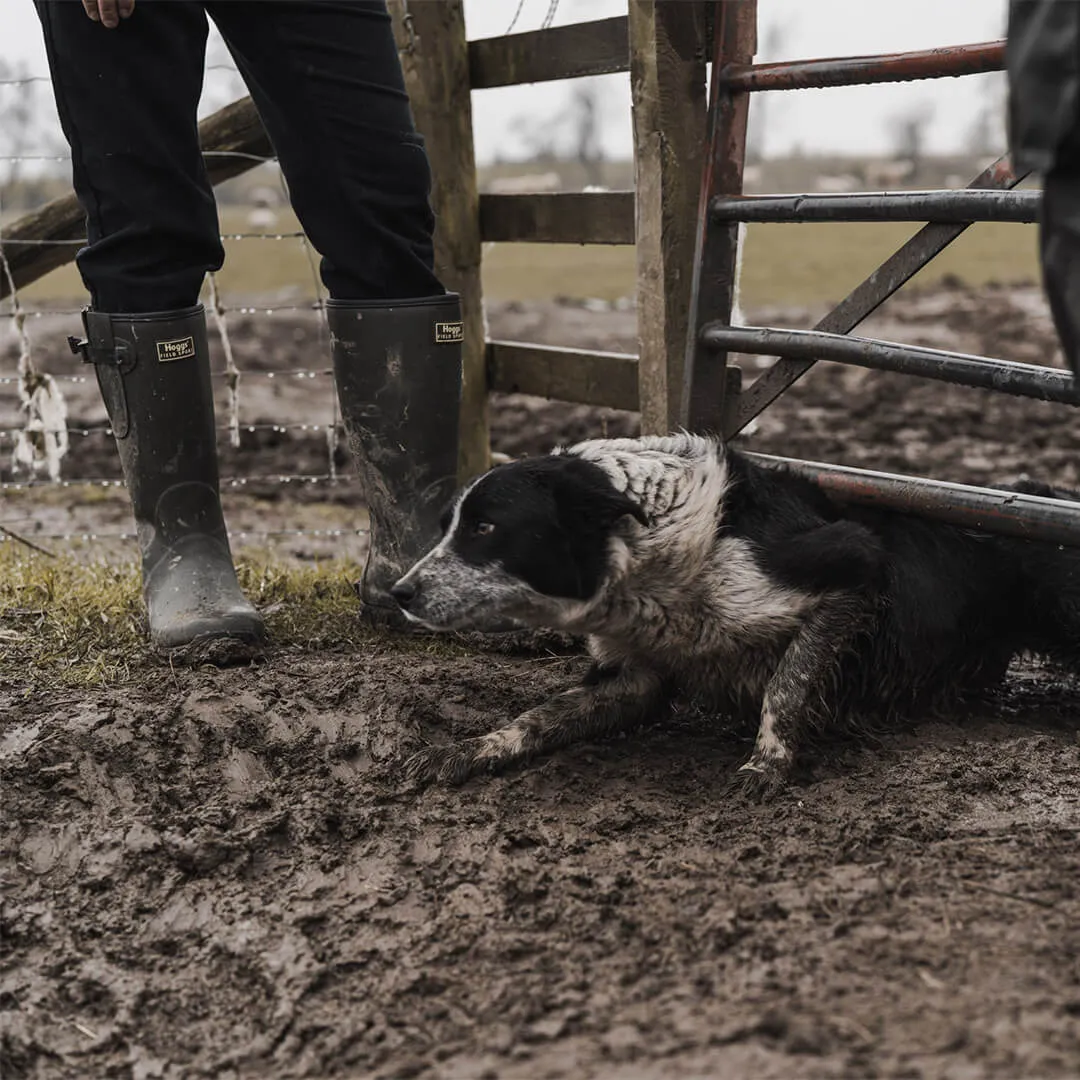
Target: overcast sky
[852,120]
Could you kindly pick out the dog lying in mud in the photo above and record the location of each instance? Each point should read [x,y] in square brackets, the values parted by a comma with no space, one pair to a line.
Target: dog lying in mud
[693,571]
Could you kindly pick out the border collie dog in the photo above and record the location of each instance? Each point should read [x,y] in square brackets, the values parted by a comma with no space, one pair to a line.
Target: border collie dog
[693,571]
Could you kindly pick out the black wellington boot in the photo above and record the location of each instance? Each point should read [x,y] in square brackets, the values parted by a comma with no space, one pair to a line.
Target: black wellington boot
[154,374]
[397,365]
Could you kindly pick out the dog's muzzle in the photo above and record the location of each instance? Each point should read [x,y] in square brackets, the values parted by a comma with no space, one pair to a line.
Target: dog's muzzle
[404,593]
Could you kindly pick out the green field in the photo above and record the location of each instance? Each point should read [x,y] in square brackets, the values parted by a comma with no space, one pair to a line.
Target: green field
[784,264]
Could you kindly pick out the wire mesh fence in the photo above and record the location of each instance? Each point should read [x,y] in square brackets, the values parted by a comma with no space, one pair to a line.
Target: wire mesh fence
[42,448]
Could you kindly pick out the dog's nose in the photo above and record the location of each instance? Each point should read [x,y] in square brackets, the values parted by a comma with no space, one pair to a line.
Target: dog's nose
[403,593]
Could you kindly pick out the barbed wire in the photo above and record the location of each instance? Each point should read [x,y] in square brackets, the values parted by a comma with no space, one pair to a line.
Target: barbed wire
[219,311]
[232,372]
[242,534]
[229,481]
[549,18]
[23,80]
[302,373]
[244,428]
[243,309]
[514,21]
[78,241]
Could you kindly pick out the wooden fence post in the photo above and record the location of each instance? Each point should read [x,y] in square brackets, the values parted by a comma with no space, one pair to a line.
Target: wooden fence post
[667,84]
[435,58]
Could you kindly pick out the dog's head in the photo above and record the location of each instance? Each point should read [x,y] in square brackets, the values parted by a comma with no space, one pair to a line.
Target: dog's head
[521,545]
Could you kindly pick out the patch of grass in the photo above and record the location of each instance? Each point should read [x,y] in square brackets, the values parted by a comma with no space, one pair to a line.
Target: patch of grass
[544,271]
[77,624]
[820,263]
[65,622]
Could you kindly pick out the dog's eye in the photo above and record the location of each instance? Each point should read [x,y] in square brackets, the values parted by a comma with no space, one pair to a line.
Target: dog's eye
[483,528]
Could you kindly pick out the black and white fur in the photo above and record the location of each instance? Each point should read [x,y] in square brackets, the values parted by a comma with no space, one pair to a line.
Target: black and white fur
[691,570]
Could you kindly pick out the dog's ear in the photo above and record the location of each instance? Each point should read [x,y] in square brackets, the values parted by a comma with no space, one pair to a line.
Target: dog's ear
[587,500]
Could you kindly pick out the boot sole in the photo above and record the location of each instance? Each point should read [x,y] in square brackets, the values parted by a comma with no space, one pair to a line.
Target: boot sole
[217,650]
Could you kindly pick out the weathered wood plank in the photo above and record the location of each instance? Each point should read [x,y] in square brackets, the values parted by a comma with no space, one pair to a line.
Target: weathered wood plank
[34,245]
[706,383]
[435,59]
[605,217]
[585,377]
[667,84]
[562,52]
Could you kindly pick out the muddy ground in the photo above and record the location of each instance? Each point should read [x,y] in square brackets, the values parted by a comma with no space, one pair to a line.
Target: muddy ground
[221,874]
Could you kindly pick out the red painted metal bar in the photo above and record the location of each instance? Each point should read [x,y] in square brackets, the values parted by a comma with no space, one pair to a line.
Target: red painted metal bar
[860,70]
[1031,517]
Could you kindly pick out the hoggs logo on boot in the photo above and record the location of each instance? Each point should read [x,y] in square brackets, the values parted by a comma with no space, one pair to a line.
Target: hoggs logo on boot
[449,333]
[177,349]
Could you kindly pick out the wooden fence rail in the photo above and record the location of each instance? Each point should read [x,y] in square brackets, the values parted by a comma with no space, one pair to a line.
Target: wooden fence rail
[233,141]
[563,52]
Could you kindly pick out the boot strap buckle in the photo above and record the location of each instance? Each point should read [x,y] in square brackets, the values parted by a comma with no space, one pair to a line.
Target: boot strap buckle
[120,356]
[112,360]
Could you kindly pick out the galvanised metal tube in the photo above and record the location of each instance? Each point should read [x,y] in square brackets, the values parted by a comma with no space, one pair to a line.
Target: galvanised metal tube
[987,373]
[860,70]
[948,206]
[898,268]
[1030,517]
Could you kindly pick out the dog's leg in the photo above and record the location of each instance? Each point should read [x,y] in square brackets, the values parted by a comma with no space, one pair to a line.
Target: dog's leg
[609,700]
[806,673]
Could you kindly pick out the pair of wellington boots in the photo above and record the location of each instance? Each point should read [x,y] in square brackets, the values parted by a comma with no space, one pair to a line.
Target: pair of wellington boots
[397,366]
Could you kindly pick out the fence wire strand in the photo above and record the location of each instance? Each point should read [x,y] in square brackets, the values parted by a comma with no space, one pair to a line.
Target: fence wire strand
[43,441]
[232,372]
[127,537]
[324,335]
[27,374]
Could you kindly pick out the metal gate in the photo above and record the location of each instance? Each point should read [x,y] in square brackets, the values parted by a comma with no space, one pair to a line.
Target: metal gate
[712,394]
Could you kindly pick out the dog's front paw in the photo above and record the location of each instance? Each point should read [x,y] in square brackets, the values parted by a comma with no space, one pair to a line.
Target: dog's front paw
[452,764]
[759,780]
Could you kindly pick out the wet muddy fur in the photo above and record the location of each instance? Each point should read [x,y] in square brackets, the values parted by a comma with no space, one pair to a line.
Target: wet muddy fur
[695,573]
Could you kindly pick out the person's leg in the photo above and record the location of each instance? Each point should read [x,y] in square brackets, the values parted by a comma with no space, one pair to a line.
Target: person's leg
[327,81]
[1044,136]
[1059,248]
[127,99]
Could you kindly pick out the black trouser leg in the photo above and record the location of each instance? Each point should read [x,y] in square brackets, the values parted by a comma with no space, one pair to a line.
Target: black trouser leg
[127,100]
[327,81]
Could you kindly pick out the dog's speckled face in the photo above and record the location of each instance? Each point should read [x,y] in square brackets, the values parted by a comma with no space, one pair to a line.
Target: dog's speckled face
[521,545]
